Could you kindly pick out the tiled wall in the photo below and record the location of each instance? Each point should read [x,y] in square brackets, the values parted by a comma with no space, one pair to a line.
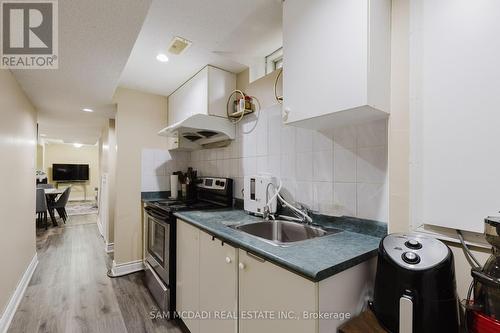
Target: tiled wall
[341,173]
[158,165]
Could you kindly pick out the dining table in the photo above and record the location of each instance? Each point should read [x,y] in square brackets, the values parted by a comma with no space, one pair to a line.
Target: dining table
[51,195]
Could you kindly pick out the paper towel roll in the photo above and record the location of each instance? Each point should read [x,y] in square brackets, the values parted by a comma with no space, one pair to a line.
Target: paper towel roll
[174,186]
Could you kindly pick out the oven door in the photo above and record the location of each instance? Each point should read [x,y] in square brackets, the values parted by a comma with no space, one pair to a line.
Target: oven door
[158,243]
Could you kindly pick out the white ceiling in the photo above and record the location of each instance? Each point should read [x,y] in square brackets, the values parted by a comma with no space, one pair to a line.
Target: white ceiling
[103,44]
[225,33]
[95,41]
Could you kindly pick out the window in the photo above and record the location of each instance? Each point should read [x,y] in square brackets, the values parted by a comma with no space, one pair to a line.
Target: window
[274,61]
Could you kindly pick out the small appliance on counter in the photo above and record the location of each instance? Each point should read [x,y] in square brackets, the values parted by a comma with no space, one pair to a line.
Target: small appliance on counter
[415,288]
[160,235]
[257,190]
[484,314]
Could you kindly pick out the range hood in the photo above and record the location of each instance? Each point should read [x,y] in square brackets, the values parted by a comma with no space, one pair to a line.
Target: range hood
[200,131]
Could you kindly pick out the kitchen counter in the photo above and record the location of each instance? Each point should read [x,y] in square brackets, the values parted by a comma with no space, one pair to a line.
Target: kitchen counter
[315,259]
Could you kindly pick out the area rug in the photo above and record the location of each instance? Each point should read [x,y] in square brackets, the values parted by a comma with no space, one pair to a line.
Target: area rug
[81,208]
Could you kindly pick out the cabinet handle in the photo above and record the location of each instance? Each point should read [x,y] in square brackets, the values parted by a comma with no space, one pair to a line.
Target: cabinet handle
[241,266]
[228,260]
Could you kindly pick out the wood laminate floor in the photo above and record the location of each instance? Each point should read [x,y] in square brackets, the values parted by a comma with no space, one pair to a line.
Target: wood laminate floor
[70,291]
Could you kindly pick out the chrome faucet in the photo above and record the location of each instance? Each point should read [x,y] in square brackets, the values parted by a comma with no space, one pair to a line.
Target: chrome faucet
[267,210]
[307,211]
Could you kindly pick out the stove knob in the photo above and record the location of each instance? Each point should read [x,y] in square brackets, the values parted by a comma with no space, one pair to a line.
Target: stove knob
[410,258]
[413,244]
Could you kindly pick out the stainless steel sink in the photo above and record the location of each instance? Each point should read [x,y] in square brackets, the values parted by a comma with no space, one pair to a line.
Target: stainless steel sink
[284,233]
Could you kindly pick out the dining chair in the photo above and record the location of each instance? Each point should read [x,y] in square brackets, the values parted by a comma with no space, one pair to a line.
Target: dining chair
[60,204]
[41,207]
[45,186]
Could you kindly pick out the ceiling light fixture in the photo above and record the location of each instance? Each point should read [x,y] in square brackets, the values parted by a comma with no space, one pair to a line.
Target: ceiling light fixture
[162,57]
[87,110]
[43,135]
[178,45]
[77,145]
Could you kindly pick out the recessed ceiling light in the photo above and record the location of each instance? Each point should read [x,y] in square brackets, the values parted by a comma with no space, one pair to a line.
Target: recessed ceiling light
[77,145]
[44,135]
[162,57]
[87,110]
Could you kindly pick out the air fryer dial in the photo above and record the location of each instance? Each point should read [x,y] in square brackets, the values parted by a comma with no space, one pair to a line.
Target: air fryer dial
[415,252]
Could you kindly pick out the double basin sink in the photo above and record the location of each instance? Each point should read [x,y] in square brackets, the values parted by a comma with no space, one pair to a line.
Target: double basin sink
[284,233]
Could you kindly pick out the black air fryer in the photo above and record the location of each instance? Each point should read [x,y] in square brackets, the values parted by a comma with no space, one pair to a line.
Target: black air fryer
[415,288]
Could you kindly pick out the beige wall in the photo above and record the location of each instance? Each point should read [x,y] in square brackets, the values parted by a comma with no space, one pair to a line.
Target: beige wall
[17,174]
[39,156]
[67,153]
[262,88]
[399,141]
[139,117]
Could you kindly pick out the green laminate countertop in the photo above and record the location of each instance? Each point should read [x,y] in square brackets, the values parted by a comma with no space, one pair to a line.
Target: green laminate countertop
[315,259]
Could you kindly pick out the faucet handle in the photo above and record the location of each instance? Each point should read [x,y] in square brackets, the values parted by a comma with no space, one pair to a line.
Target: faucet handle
[306,209]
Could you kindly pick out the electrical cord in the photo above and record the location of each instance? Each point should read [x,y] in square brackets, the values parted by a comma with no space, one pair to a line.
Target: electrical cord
[467,301]
[467,252]
[234,92]
[279,99]
[258,116]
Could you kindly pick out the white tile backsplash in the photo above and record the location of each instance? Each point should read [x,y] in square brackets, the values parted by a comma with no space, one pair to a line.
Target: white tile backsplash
[323,197]
[371,165]
[304,194]
[372,134]
[322,142]
[372,201]
[322,166]
[343,173]
[304,140]
[304,165]
[158,165]
[344,164]
[345,198]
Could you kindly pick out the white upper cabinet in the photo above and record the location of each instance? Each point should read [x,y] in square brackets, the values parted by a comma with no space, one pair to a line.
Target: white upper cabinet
[336,62]
[205,93]
[454,105]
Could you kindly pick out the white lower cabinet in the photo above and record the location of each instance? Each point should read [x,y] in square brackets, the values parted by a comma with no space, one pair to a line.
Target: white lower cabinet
[188,274]
[216,279]
[218,285]
[268,290]
[207,281]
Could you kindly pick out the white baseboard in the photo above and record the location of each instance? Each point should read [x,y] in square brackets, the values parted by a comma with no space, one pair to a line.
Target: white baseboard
[109,247]
[14,301]
[126,268]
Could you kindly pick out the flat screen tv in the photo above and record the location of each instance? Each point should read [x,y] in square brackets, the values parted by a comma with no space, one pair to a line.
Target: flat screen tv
[70,172]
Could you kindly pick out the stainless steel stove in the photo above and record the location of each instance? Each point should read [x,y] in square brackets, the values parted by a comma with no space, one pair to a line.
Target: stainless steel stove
[160,231]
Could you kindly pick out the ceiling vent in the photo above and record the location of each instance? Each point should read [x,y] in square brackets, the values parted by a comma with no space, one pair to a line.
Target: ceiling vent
[179,45]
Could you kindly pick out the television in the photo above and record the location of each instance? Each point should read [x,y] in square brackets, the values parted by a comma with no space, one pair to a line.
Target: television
[70,172]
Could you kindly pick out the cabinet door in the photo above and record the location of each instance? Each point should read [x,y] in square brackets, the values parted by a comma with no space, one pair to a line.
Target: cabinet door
[266,287]
[188,272]
[191,98]
[218,285]
[335,52]
[454,135]
[220,84]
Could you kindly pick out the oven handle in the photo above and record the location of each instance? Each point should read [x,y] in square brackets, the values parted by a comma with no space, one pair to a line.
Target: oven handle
[156,216]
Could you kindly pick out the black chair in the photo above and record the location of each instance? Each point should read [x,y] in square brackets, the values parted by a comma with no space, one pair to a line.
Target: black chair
[41,207]
[60,204]
[45,186]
